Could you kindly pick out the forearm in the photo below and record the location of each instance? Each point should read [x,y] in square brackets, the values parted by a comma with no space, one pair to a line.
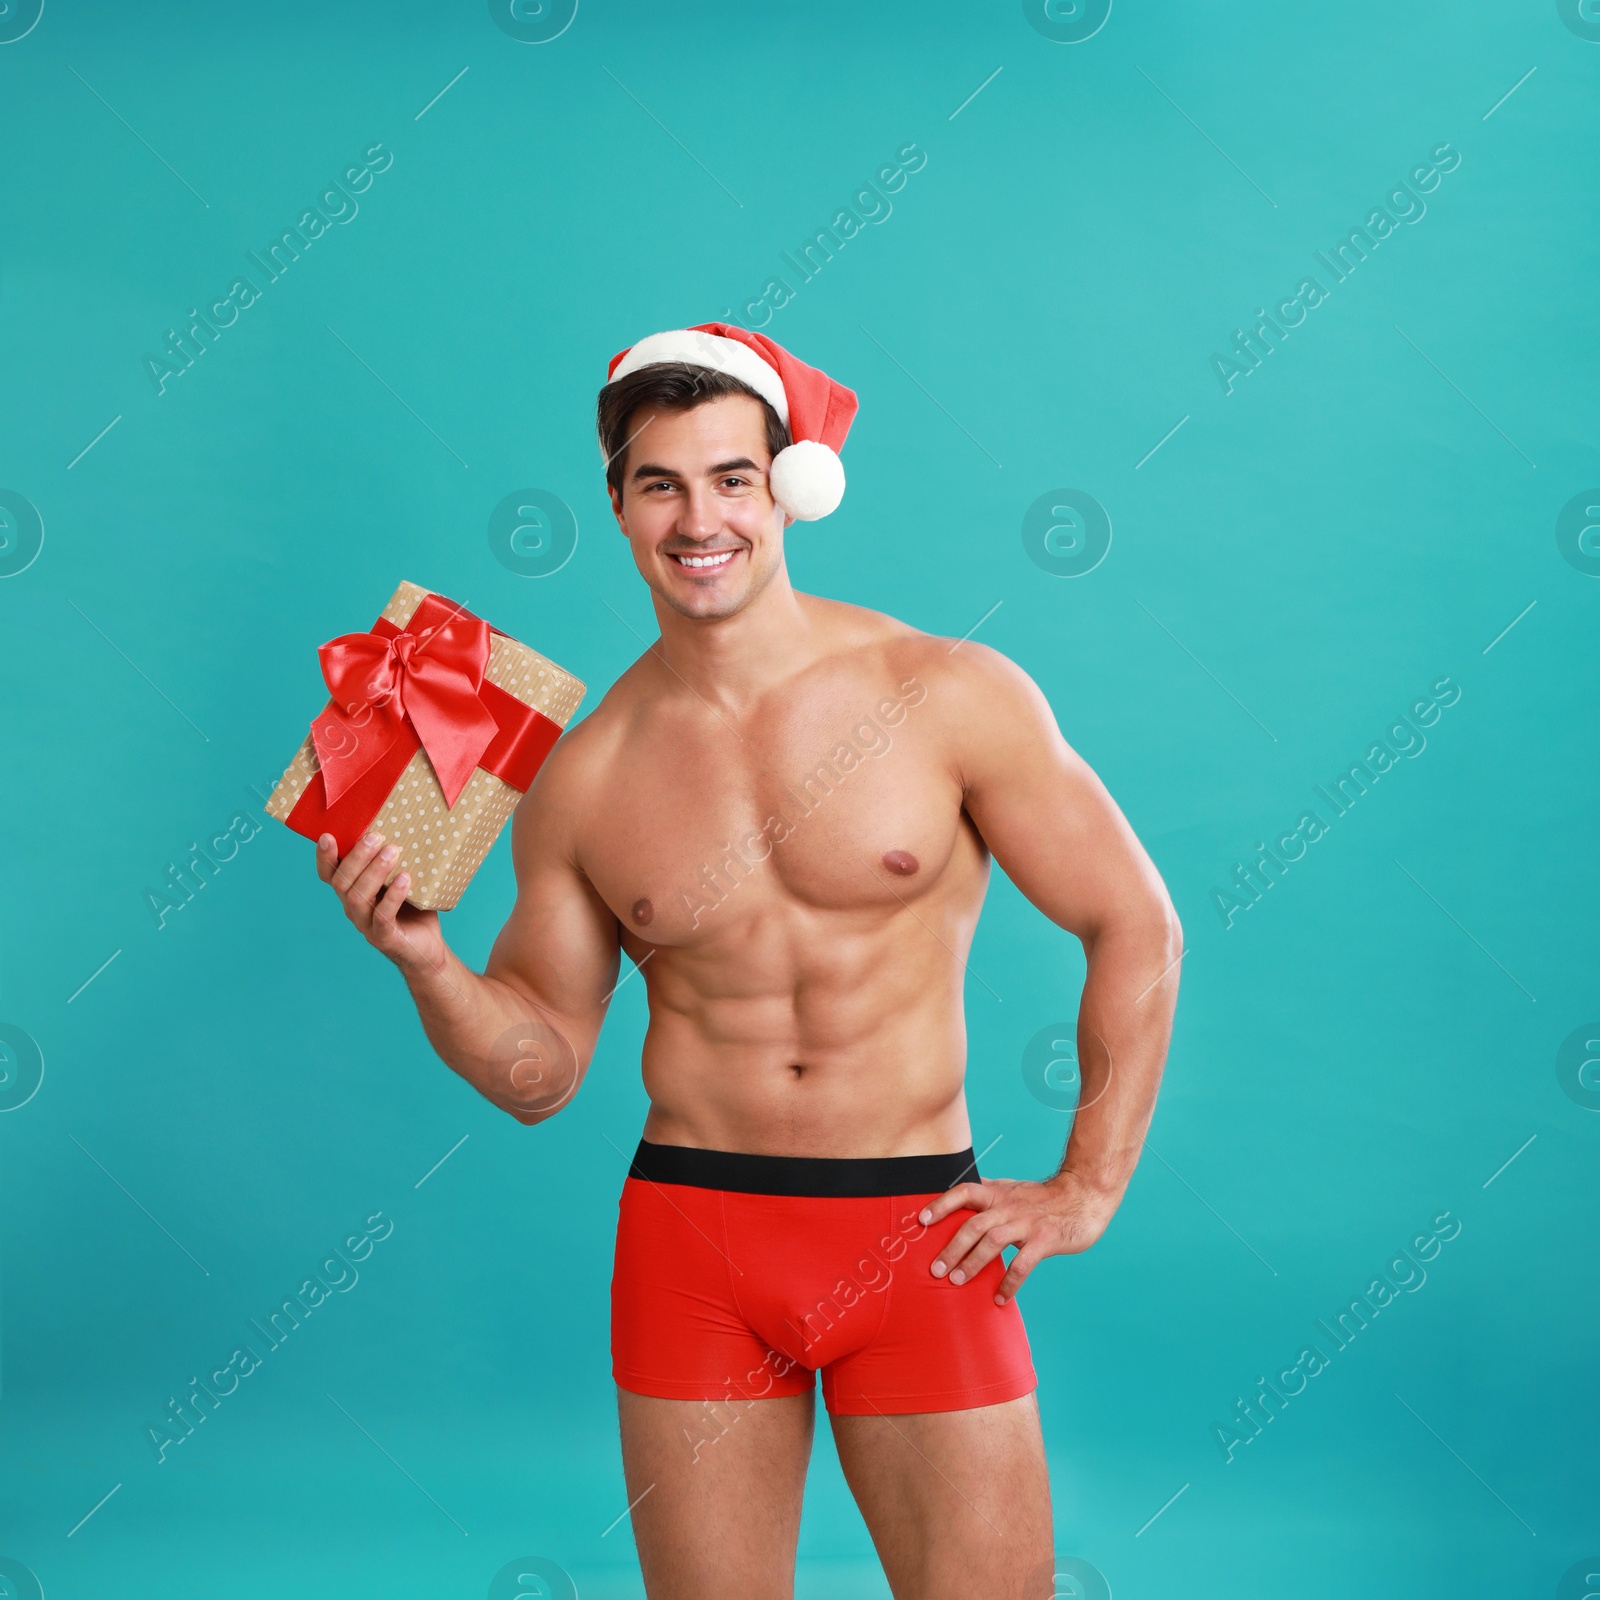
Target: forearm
[522,1036]
[1124,1028]
[1124,1024]
[496,1038]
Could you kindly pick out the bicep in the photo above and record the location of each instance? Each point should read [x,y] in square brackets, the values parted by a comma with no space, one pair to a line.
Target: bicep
[1049,821]
[560,946]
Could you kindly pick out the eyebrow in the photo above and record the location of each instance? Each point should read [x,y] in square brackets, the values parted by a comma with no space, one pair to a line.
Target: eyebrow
[648,469]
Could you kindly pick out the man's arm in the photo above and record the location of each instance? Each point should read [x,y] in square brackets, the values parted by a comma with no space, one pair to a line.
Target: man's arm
[523,1031]
[1053,827]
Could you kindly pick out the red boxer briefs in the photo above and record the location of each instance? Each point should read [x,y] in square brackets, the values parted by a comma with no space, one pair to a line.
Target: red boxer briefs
[738,1276]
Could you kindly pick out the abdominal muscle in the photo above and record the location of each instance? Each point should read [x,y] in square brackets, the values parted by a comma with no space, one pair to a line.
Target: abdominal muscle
[834,1039]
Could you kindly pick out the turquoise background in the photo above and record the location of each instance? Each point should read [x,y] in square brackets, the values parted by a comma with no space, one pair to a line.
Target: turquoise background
[1367,513]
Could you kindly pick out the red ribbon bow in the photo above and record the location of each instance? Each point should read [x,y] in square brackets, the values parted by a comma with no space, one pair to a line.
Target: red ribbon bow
[430,679]
[399,690]
[396,690]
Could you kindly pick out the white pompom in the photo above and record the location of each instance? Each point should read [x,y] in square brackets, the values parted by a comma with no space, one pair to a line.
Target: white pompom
[807,480]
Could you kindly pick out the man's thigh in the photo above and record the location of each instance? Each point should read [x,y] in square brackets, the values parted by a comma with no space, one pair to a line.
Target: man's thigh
[957,1502]
[716,1488]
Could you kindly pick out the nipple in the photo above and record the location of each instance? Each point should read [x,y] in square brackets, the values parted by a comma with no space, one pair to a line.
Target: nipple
[643,911]
[900,861]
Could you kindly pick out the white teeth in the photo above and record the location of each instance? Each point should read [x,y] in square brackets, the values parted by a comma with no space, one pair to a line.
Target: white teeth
[720,559]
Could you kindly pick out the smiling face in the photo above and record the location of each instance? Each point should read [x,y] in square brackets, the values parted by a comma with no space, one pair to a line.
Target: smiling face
[707,535]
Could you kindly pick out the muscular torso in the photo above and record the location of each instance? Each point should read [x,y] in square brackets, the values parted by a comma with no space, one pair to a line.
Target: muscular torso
[800,886]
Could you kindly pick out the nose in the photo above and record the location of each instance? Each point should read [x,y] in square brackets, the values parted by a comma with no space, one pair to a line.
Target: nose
[701,517]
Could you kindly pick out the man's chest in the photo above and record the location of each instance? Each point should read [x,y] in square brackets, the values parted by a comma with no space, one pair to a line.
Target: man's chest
[839,804]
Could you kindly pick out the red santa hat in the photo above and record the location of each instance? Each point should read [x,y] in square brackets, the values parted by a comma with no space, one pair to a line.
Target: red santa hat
[807,479]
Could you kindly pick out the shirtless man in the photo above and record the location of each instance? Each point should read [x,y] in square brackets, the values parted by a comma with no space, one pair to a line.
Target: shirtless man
[783,812]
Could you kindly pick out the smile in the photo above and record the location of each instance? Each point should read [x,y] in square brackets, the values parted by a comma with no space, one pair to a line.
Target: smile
[718,558]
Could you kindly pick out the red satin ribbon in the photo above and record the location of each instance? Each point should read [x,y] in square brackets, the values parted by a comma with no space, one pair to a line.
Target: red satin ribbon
[398,690]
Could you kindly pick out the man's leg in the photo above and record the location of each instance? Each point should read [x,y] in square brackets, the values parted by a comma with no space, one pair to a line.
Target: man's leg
[957,1502]
[716,1488]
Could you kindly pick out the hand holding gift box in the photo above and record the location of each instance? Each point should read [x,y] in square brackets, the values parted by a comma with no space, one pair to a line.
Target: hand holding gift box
[437,725]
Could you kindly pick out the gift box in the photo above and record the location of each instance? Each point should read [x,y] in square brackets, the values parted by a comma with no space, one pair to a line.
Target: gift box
[436,727]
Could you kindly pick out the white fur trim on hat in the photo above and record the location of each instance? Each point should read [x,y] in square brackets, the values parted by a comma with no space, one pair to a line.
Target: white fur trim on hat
[711,350]
[807,480]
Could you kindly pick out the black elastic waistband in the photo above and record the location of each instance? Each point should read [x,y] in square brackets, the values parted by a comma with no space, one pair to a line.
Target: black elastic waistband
[826,1177]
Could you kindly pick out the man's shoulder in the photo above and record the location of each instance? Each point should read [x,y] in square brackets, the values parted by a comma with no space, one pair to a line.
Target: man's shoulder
[575,768]
[585,748]
[876,639]
[959,667]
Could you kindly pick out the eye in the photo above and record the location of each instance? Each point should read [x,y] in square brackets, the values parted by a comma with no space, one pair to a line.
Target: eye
[735,482]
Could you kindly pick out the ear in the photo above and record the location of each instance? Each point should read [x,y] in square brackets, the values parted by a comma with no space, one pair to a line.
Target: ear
[616,509]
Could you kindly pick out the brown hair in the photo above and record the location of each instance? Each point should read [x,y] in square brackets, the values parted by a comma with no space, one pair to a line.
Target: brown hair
[668,386]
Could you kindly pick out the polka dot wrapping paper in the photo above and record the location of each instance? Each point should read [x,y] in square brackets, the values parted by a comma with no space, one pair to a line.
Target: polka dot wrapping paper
[441,845]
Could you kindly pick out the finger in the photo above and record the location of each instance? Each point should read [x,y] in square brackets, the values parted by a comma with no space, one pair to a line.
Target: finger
[1022,1263]
[327,857]
[355,861]
[959,1243]
[964,1196]
[388,908]
[986,1249]
[363,893]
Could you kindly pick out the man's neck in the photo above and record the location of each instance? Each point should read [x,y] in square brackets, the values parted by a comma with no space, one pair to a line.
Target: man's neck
[730,662]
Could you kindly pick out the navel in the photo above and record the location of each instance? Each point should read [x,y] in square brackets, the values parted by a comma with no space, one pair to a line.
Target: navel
[901,862]
[643,911]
